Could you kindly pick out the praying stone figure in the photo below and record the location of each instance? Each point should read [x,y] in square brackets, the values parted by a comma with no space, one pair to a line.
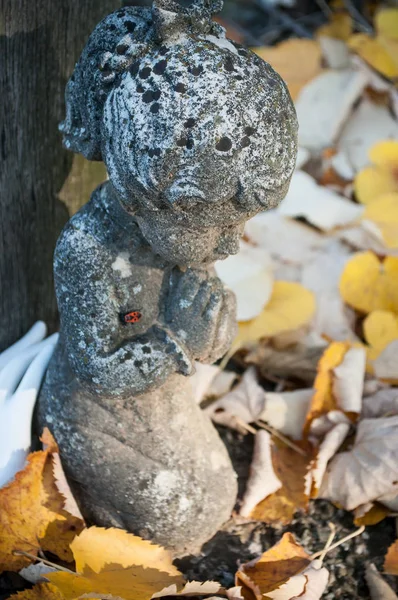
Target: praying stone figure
[198,134]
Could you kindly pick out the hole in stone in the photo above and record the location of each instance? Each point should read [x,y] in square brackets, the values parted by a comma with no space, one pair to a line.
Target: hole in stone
[224,145]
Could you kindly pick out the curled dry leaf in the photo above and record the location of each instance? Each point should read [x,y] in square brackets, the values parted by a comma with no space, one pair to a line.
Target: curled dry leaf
[32,514]
[246,401]
[339,382]
[379,589]
[272,569]
[319,205]
[370,514]
[369,470]
[262,479]
[328,448]
[35,573]
[290,467]
[198,588]
[249,275]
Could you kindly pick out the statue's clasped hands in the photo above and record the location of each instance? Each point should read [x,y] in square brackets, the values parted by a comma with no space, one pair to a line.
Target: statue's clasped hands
[200,312]
[22,369]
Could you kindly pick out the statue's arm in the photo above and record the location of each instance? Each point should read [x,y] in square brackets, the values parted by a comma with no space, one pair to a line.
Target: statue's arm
[104,355]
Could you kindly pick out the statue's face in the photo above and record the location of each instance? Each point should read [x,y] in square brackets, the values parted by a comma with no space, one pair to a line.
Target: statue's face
[183,245]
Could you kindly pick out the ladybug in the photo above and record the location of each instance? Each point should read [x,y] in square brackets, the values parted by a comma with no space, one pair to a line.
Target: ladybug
[131,317]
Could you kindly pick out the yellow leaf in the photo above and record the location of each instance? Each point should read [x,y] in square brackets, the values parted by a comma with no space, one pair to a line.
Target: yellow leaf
[374,53]
[391,561]
[290,467]
[385,154]
[273,568]
[41,591]
[134,583]
[291,306]
[369,284]
[384,213]
[386,23]
[95,547]
[377,513]
[297,61]
[373,182]
[380,328]
[339,27]
[324,400]
[31,514]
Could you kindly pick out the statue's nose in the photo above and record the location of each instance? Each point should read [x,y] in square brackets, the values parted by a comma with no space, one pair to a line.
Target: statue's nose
[183,194]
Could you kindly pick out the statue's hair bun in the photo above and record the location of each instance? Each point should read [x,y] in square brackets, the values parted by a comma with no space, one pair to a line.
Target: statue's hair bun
[117,42]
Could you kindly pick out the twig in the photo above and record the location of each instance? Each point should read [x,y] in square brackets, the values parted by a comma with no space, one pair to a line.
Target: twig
[43,560]
[283,439]
[339,542]
[285,20]
[329,542]
[244,425]
[359,19]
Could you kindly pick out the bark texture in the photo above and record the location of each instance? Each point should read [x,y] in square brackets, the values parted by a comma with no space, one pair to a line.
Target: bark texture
[40,42]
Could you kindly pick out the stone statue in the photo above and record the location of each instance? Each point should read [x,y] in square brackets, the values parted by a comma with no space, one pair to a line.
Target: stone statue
[198,134]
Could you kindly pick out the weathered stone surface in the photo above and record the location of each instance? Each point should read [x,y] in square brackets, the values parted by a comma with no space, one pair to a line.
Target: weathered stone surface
[198,134]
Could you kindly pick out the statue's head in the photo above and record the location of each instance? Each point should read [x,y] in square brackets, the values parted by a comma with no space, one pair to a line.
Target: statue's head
[194,129]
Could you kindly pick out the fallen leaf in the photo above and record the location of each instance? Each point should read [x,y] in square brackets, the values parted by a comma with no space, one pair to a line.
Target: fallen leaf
[262,479]
[62,485]
[298,361]
[385,365]
[210,380]
[307,585]
[391,560]
[369,124]
[339,382]
[35,573]
[380,328]
[328,448]
[384,403]
[379,589]
[369,284]
[249,275]
[297,61]
[94,548]
[112,561]
[286,411]
[364,236]
[325,104]
[245,402]
[319,205]
[290,467]
[370,514]
[369,470]
[192,588]
[270,230]
[373,52]
[132,583]
[42,591]
[339,27]
[291,307]
[32,514]
[383,212]
[273,568]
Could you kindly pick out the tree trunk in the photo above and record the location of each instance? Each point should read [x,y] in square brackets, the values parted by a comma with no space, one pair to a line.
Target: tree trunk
[40,41]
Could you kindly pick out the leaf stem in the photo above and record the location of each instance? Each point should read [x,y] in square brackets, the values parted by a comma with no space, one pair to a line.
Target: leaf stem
[282,437]
[43,560]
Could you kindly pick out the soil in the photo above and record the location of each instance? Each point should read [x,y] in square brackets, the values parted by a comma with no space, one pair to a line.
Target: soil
[237,543]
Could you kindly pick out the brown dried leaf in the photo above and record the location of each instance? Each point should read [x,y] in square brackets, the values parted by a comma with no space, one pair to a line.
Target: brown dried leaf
[272,569]
[391,560]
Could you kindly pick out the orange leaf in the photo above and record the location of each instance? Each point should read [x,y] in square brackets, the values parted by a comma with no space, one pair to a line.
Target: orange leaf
[290,468]
[391,560]
[41,591]
[31,513]
[323,400]
[272,569]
